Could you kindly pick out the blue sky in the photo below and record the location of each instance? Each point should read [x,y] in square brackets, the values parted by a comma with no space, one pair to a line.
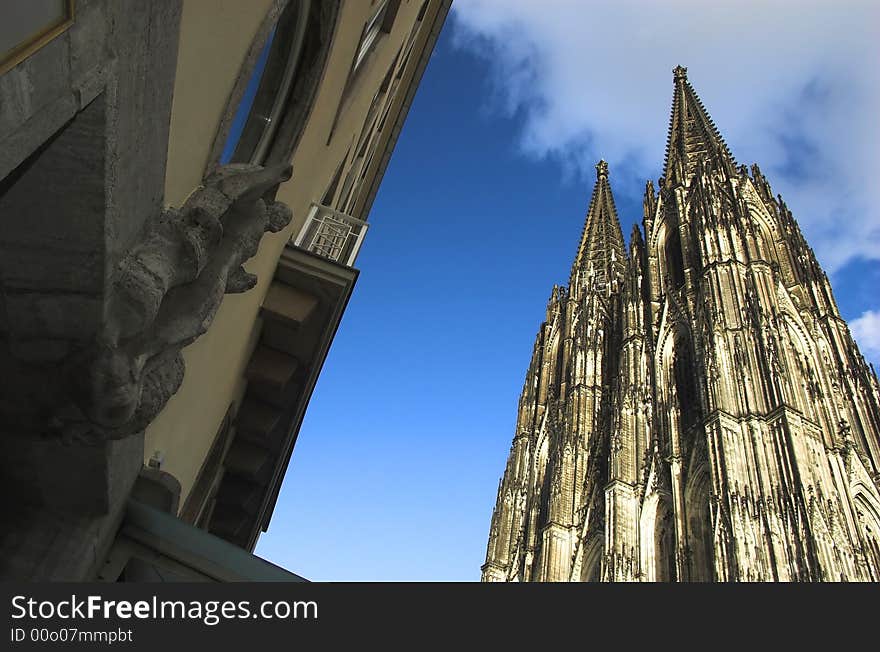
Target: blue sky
[397,463]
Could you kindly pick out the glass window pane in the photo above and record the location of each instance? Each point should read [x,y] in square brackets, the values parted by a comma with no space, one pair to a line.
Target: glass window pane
[247,102]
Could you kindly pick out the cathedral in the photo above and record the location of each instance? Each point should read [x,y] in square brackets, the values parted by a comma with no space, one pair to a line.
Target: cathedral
[695,408]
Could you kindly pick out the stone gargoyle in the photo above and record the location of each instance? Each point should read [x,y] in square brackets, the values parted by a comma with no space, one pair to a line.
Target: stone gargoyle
[164,295]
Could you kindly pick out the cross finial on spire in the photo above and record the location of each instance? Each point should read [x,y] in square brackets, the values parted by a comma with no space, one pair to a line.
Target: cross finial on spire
[602,169]
[680,72]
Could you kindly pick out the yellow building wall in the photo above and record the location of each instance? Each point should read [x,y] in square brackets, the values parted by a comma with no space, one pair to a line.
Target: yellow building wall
[215,37]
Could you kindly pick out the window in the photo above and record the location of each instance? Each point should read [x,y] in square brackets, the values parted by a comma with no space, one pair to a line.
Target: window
[380,23]
[371,33]
[370,120]
[685,379]
[243,113]
[674,261]
[262,106]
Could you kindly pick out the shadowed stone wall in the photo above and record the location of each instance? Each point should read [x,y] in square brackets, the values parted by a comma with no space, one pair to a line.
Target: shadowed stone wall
[52,248]
[83,143]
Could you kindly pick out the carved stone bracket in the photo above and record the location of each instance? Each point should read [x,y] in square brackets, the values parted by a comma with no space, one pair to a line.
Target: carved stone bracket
[162,297]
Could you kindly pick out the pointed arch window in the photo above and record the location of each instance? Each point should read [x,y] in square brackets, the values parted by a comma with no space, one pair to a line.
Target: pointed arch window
[684,376]
[674,260]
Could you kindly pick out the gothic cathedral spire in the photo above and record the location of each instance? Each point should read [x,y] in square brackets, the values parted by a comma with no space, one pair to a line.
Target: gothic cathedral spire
[601,253]
[692,135]
[696,410]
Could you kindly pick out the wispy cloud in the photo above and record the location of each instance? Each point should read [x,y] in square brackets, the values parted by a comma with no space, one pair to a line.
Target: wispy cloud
[866,330]
[793,85]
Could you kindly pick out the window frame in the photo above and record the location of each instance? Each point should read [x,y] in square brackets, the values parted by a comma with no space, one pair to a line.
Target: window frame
[260,145]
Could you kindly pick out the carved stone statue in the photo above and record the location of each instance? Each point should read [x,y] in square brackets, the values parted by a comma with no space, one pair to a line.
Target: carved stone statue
[163,296]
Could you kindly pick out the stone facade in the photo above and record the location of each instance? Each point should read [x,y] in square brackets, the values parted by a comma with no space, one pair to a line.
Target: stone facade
[695,408]
[163,319]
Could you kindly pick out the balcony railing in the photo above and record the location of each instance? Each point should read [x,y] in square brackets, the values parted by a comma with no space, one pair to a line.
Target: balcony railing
[332,234]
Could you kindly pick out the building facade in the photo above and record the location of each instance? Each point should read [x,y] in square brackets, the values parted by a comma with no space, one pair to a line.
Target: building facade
[184,188]
[695,408]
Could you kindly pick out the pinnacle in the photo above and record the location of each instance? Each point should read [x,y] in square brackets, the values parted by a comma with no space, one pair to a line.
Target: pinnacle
[693,136]
[601,249]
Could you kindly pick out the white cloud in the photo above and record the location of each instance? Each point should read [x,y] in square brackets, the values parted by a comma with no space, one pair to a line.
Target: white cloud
[793,85]
[866,331]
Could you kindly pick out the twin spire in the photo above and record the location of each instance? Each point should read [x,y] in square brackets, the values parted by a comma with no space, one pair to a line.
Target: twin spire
[693,139]
[601,253]
[693,136]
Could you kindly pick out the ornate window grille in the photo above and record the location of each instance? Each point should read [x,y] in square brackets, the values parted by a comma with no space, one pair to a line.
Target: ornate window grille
[332,234]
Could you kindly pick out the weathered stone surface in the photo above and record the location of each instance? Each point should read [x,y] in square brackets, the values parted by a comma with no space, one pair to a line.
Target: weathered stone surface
[164,296]
[15,108]
[53,208]
[88,38]
[83,138]
[18,144]
[35,83]
[40,541]
[39,349]
[59,315]
[140,113]
[105,51]
[93,83]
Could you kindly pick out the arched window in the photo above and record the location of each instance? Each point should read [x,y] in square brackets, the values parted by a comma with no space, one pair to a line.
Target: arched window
[674,260]
[262,106]
[274,94]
